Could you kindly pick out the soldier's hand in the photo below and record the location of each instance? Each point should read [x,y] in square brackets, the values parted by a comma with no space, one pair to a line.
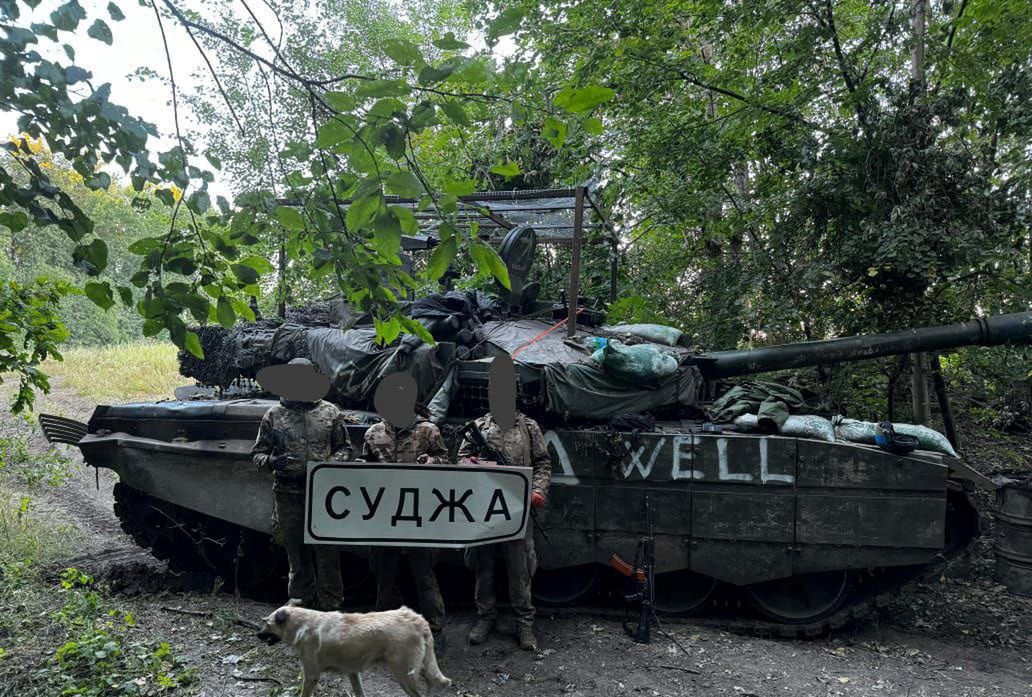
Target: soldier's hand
[281,462]
[537,500]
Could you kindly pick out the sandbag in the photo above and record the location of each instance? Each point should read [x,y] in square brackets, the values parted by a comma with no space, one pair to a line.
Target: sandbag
[856,431]
[643,362]
[814,427]
[657,333]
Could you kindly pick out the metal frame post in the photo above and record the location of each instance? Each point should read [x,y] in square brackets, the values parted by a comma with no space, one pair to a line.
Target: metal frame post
[578,230]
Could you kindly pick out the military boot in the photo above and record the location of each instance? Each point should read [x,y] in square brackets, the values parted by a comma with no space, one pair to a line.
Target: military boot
[525,635]
[480,630]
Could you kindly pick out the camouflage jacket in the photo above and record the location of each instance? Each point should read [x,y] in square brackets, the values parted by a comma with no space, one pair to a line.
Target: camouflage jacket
[314,433]
[385,443]
[522,445]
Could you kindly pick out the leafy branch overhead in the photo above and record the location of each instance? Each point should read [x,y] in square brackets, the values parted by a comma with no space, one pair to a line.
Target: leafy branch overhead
[368,134]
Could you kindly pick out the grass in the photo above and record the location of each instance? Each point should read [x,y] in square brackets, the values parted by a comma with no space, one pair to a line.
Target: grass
[133,371]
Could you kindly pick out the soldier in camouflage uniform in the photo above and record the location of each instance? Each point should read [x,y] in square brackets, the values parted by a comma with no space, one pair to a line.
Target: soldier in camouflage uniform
[405,437]
[520,441]
[291,434]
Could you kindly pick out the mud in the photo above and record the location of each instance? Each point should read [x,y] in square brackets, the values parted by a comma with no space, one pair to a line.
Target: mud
[963,636]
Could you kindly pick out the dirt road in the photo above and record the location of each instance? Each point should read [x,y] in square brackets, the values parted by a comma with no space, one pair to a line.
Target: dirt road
[965,636]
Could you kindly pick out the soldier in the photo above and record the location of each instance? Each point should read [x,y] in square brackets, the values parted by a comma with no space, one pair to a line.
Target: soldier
[404,437]
[299,429]
[518,438]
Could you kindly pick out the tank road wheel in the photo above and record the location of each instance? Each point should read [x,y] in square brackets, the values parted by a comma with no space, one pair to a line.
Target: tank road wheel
[800,599]
[683,592]
[566,586]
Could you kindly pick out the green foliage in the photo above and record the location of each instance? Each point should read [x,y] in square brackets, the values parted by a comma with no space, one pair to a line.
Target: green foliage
[30,331]
[102,653]
[51,468]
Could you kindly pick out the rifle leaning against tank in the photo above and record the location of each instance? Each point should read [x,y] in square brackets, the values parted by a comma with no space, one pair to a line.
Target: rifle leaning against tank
[485,450]
[642,574]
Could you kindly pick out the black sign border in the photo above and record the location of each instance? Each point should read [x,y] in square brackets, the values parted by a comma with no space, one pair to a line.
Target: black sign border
[394,466]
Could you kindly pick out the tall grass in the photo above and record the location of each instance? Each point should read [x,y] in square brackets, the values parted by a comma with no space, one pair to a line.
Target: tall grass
[138,370]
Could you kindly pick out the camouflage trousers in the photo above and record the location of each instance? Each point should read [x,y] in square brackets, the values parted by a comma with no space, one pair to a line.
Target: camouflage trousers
[385,562]
[314,569]
[520,564]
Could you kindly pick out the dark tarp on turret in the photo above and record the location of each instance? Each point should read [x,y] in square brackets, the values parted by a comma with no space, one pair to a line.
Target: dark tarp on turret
[575,386]
[356,363]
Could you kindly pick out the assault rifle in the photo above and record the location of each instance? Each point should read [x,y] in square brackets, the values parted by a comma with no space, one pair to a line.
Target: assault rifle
[484,450]
[642,577]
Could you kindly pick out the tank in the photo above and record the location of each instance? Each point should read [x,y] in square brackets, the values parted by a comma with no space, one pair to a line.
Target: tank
[772,533]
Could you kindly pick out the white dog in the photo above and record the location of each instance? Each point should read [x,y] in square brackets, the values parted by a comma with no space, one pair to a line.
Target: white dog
[351,642]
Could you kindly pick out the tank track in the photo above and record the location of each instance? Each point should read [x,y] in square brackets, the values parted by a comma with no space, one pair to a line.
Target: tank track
[189,541]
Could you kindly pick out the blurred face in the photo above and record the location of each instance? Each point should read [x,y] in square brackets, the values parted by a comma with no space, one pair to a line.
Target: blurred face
[395,399]
[501,391]
[297,382]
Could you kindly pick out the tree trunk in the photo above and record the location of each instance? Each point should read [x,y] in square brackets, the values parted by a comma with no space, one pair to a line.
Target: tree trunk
[917,59]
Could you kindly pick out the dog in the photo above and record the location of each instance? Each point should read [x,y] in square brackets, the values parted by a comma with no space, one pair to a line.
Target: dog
[350,643]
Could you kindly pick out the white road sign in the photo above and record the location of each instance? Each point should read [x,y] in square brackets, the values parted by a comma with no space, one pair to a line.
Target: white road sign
[363,503]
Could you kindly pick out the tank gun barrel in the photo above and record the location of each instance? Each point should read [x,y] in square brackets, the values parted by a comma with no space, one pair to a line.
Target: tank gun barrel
[1014,328]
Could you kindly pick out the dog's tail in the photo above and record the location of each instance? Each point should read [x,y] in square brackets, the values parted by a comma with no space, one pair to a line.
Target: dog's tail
[431,671]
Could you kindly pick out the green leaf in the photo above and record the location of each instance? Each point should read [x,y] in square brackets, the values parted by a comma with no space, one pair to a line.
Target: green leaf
[454,111]
[463,187]
[393,138]
[341,101]
[145,245]
[387,331]
[199,202]
[403,52]
[554,131]
[423,116]
[330,133]
[245,274]
[592,126]
[91,258]
[68,16]
[224,312]
[448,42]
[15,221]
[506,169]
[126,293]
[505,23]
[100,294]
[405,184]
[576,100]
[387,235]
[259,264]
[192,343]
[152,327]
[441,258]
[363,210]
[487,259]
[434,74]
[406,219]
[115,12]
[416,328]
[100,31]
[383,88]
[289,217]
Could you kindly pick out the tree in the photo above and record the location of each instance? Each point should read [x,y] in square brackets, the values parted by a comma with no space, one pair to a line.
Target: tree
[360,143]
[785,175]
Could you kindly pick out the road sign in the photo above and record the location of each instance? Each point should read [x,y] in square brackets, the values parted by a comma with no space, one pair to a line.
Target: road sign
[409,505]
